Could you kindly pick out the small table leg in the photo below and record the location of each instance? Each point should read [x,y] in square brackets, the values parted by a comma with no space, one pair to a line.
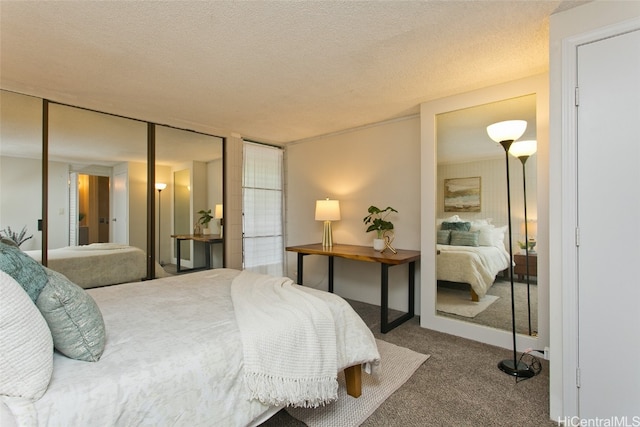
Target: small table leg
[385,325]
[178,255]
[330,274]
[300,264]
[207,254]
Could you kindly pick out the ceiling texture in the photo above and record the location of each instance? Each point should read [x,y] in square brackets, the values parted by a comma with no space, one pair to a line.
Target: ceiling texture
[269,71]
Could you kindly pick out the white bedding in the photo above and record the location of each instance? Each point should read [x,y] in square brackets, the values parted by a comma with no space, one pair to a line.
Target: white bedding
[173,356]
[98,264]
[476,265]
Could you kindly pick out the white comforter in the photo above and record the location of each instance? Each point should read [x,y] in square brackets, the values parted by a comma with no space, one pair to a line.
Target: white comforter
[477,266]
[173,357]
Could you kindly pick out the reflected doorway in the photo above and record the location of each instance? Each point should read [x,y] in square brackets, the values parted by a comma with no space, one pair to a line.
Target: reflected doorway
[92,210]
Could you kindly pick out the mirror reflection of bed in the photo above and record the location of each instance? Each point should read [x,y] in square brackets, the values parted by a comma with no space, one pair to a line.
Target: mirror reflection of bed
[472,275]
[97,179]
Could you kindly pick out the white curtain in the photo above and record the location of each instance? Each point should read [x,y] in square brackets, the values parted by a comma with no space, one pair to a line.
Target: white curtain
[262,190]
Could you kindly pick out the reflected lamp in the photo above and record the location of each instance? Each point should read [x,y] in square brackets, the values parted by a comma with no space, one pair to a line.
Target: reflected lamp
[217,214]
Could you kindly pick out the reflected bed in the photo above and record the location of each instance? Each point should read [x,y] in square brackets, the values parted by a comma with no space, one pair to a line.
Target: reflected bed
[98,264]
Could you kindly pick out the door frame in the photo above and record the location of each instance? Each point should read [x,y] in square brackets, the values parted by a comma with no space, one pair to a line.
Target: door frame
[568,275]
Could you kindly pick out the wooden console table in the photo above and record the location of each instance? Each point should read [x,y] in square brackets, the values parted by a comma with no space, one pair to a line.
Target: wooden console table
[208,239]
[368,254]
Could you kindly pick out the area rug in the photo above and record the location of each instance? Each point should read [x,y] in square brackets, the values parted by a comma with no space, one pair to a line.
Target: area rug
[396,367]
[459,302]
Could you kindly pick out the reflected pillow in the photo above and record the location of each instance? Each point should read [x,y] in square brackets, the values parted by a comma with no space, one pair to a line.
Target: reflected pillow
[498,236]
[463,226]
[443,237]
[485,234]
[25,270]
[453,218]
[75,321]
[464,238]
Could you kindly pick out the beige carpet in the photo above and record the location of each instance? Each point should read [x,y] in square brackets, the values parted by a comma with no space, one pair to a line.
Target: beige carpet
[396,367]
[459,302]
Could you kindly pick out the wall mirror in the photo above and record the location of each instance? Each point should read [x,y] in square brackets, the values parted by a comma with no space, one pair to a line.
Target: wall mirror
[97,171]
[191,164]
[466,156]
[458,154]
[21,165]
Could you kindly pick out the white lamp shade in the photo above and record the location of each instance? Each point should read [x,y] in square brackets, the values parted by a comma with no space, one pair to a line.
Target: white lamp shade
[523,148]
[327,210]
[218,212]
[160,186]
[509,130]
[532,228]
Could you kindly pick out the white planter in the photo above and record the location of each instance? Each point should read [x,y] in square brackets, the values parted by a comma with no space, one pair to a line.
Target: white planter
[378,244]
[206,231]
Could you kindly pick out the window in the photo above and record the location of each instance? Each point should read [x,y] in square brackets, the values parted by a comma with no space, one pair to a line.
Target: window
[262,192]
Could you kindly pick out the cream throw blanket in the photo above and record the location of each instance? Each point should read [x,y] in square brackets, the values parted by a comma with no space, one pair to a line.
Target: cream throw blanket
[294,365]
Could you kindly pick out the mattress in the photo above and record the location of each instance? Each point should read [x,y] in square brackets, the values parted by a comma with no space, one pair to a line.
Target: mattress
[173,356]
[476,265]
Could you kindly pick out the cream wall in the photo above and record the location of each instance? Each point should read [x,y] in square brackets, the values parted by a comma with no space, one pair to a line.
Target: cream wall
[375,165]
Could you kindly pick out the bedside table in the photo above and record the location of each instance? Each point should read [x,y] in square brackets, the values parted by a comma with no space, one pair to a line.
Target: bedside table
[521,265]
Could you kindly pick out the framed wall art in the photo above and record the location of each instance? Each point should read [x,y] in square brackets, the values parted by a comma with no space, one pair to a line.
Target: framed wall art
[462,194]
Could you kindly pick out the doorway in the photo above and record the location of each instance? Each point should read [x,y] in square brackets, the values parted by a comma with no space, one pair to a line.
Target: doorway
[93,209]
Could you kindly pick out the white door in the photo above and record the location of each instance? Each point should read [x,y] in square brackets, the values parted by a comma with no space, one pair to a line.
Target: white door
[120,220]
[609,227]
[73,209]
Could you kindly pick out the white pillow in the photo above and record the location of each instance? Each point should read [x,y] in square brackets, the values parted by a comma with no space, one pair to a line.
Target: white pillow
[26,346]
[454,218]
[498,236]
[486,234]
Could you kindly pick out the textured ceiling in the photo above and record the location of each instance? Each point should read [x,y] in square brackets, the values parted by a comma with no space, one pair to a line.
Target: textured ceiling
[269,71]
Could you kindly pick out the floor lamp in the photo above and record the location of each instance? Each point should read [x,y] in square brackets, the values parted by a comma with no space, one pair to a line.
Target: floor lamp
[506,133]
[160,186]
[523,150]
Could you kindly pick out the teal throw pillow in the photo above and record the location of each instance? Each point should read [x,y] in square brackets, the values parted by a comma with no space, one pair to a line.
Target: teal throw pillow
[464,238]
[463,226]
[75,321]
[25,270]
[443,237]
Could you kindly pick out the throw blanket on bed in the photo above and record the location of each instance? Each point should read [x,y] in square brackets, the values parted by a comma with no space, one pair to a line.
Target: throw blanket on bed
[289,341]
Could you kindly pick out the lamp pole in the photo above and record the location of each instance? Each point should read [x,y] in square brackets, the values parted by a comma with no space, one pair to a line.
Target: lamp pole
[160,186]
[506,133]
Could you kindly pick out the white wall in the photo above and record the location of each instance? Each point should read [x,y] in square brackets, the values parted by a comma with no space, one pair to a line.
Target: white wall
[20,189]
[375,165]
[21,195]
[566,29]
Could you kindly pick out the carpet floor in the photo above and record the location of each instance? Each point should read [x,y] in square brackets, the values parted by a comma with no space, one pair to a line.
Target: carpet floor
[460,384]
[498,314]
[458,302]
[397,365]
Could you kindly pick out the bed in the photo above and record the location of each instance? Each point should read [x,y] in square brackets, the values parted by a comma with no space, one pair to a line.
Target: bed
[98,264]
[470,252]
[175,353]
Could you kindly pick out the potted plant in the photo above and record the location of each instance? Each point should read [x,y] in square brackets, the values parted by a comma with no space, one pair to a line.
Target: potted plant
[17,238]
[205,219]
[523,247]
[377,222]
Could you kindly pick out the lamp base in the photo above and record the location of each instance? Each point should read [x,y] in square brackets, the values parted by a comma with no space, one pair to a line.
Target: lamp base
[522,370]
[327,235]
